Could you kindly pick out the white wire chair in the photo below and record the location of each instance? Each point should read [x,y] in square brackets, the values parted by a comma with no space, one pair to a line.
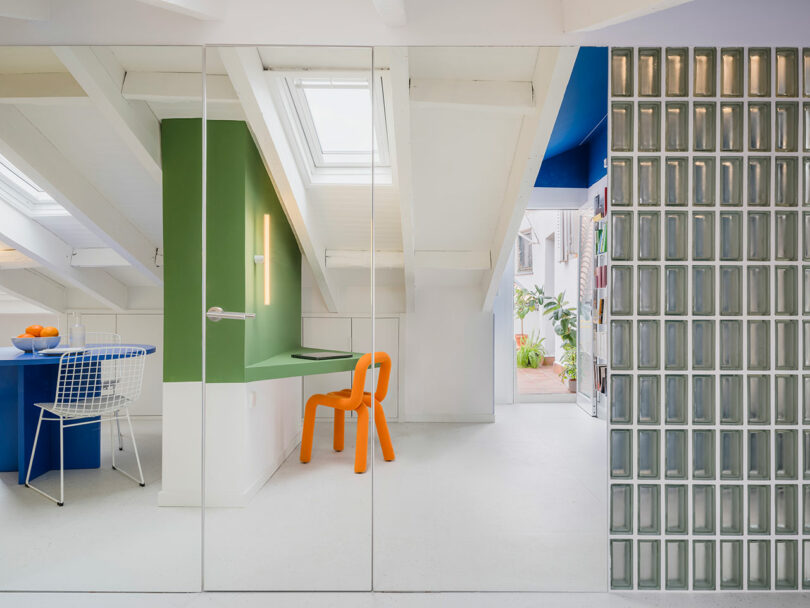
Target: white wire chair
[94,338]
[97,383]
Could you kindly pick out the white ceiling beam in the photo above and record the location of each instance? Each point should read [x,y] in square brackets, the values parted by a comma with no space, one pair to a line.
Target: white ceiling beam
[392,12]
[26,10]
[246,72]
[173,87]
[204,10]
[11,259]
[97,257]
[36,242]
[33,288]
[101,77]
[486,95]
[589,15]
[36,156]
[552,72]
[48,89]
[400,136]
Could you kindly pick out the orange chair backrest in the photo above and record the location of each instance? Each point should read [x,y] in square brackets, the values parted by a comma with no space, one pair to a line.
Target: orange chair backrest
[358,386]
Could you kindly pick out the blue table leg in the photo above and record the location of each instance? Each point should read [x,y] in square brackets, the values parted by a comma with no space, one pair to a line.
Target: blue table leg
[37,384]
[8,418]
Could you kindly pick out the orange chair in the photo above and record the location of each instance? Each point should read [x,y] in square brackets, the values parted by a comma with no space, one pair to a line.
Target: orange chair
[353,400]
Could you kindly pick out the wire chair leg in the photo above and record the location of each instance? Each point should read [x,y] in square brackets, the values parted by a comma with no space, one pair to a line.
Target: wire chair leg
[60,502]
[137,456]
[61,462]
[120,436]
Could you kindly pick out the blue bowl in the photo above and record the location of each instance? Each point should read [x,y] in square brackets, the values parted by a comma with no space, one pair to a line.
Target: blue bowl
[27,344]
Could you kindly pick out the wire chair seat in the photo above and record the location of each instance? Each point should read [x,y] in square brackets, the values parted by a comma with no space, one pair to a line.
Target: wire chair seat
[87,408]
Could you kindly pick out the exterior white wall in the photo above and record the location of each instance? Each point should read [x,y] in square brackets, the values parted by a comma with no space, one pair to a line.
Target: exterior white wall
[504,342]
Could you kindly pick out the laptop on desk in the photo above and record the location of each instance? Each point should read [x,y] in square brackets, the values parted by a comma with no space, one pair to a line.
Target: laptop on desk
[321,355]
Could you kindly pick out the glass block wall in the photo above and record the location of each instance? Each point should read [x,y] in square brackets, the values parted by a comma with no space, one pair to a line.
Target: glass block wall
[709,171]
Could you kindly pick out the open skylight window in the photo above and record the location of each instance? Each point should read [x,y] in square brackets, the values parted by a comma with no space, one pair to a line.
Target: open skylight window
[19,190]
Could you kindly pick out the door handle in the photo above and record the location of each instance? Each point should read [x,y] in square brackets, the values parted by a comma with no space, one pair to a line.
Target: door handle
[215,313]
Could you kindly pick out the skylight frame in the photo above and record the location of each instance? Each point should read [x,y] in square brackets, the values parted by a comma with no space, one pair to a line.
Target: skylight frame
[23,193]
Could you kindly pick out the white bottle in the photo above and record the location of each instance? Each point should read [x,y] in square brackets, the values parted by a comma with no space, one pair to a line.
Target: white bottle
[77,333]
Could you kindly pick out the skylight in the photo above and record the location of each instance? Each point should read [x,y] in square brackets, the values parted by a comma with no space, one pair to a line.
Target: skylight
[19,190]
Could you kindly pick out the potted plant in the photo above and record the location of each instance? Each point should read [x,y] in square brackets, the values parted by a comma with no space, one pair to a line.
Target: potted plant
[525,302]
[564,319]
[532,352]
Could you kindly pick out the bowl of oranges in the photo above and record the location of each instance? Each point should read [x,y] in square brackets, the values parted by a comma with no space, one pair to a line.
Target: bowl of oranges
[42,337]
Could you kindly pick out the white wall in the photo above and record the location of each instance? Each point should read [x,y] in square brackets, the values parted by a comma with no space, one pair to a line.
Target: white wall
[503,340]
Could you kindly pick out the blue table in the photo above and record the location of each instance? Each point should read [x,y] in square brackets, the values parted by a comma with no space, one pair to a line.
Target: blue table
[26,379]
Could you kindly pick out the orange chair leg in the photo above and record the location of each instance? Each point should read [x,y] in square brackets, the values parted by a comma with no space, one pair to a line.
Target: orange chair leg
[309,430]
[337,442]
[382,431]
[361,448]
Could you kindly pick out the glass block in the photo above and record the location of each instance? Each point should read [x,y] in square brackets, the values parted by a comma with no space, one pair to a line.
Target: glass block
[806,503]
[649,236]
[703,454]
[759,287]
[703,509]
[621,290]
[622,126]
[649,509]
[731,178]
[703,345]
[731,564]
[649,399]
[759,455]
[806,122]
[621,564]
[621,509]
[759,565]
[703,182]
[759,181]
[731,445]
[731,127]
[649,564]
[759,345]
[759,236]
[703,235]
[703,290]
[806,236]
[702,399]
[730,290]
[787,564]
[677,126]
[621,454]
[676,232]
[731,346]
[759,72]
[676,181]
[806,71]
[786,399]
[786,454]
[786,300]
[675,399]
[675,344]
[787,127]
[677,72]
[787,72]
[648,455]
[621,398]
[649,181]
[703,127]
[806,465]
[787,344]
[649,345]
[731,399]
[621,180]
[786,503]
[621,72]
[806,291]
[731,236]
[759,127]
[731,510]
[675,455]
[787,235]
[649,126]
[675,303]
[759,399]
[759,509]
[677,566]
[622,235]
[649,72]
[731,72]
[621,342]
[705,72]
[806,354]
[806,401]
[786,182]
[675,513]
[703,567]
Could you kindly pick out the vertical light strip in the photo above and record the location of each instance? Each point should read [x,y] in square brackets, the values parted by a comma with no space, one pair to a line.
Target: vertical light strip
[266,264]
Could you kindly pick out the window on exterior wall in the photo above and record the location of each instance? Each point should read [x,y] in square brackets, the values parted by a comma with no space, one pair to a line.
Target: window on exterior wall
[524,251]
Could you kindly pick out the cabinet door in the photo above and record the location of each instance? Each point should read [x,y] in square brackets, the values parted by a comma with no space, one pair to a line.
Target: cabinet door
[328,333]
[387,340]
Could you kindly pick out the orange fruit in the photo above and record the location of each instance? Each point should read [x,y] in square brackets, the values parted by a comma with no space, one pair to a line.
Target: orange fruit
[25,336]
[34,330]
[49,332]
